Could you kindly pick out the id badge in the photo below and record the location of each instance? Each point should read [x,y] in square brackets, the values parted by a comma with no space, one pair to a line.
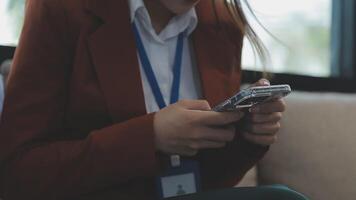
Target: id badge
[178,180]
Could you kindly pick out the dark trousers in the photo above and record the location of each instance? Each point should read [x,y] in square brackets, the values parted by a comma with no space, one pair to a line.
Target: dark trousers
[275,192]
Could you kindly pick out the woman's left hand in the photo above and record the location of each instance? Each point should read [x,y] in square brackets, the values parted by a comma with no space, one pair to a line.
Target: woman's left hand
[263,121]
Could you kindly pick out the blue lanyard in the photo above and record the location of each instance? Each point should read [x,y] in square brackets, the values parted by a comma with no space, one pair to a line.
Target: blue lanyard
[147,67]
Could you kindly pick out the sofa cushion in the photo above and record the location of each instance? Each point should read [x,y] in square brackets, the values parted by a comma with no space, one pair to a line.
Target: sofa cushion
[250,179]
[316,151]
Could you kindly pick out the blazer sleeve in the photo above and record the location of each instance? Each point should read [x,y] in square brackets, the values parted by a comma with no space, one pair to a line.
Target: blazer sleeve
[1,93]
[33,163]
[221,168]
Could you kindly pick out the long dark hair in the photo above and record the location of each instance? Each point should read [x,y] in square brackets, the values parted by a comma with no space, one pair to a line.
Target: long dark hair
[235,9]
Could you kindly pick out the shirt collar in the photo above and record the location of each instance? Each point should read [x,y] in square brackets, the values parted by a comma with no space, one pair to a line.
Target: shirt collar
[186,22]
[135,5]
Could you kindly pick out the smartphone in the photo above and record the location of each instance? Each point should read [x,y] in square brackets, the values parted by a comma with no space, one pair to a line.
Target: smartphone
[255,95]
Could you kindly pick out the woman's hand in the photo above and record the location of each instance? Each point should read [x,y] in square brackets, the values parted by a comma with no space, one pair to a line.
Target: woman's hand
[188,126]
[263,121]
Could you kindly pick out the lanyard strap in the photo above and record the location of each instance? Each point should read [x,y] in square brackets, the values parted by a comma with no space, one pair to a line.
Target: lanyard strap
[147,67]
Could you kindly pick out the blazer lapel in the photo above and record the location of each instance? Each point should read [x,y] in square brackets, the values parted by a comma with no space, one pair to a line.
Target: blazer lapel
[113,53]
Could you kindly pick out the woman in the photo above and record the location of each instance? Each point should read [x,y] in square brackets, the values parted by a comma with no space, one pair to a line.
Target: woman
[75,122]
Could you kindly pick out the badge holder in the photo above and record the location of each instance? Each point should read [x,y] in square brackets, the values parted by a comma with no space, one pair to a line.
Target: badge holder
[181,178]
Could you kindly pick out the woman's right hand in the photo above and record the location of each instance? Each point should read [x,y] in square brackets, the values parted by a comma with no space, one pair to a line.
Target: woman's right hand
[188,126]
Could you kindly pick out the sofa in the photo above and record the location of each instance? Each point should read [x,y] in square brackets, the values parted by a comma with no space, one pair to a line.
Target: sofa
[316,150]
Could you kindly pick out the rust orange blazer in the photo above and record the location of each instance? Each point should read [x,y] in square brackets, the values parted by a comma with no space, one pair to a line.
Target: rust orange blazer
[74,124]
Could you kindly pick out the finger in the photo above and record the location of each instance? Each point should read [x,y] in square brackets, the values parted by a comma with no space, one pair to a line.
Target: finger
[263,140]
[185,151]
[264,129]
[215,134]
[195,104]
[269,107]
[188,152]
[199,145]
[265,118]
[261,82]
[212,118]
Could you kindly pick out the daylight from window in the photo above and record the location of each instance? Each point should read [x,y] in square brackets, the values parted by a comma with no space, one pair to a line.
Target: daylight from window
[11,19]
[302,28]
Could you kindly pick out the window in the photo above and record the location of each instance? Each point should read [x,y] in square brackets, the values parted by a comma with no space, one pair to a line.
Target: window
[315,47]
[11,20]
[303,28]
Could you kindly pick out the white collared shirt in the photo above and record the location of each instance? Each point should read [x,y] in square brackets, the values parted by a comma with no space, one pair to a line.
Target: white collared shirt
[161,52]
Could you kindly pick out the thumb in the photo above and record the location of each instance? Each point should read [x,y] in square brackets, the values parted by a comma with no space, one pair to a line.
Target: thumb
[261,82]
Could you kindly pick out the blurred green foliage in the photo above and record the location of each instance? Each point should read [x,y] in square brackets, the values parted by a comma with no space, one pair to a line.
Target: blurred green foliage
[12,4]
[15,11]
[307,45]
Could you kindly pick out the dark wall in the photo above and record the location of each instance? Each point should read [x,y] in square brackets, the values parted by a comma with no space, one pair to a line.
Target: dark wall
[6,53]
